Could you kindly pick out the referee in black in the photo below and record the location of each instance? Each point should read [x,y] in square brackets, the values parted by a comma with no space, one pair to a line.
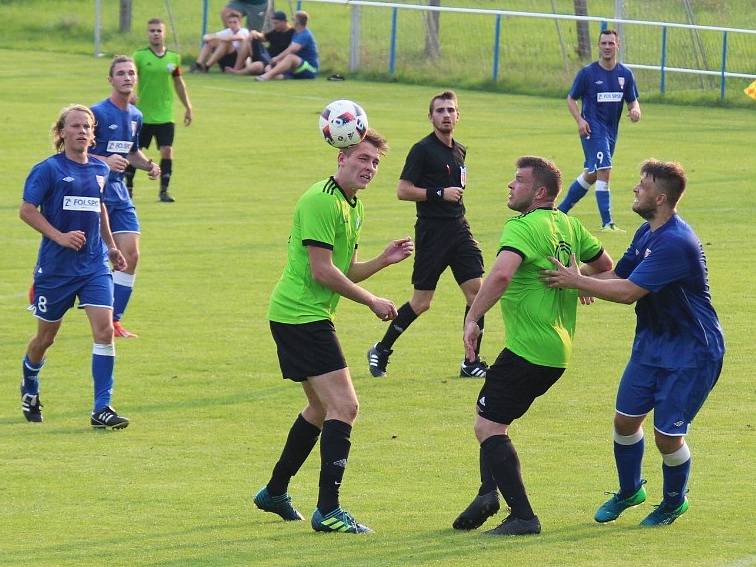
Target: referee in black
[434,177]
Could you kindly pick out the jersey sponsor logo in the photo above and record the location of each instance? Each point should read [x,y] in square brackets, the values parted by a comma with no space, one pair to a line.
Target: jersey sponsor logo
[609,97]
[463,176]
[562,252]
[68,179]
[100,181]
[678,423]
[340,463]
[621,82]
[76,203]
[119,146]
[599,83]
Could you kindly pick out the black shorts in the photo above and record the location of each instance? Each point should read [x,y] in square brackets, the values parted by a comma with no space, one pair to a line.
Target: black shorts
[512,384]
[228,60]
[163,133]
[443,243]
[309,349]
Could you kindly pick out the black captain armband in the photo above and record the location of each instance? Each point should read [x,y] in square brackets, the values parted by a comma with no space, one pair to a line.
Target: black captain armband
[434,194]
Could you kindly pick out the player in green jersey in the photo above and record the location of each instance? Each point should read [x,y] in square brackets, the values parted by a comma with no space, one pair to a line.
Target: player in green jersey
[159,71]
[322,266]
[539,327]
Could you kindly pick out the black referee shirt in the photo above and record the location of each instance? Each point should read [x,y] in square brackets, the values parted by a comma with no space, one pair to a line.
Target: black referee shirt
[432,164]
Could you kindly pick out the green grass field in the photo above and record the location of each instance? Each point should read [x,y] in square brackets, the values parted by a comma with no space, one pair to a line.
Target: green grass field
[201,385]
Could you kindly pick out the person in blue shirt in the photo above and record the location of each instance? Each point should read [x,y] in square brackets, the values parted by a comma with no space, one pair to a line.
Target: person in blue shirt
[678,348]
[117,128]
[62,200]
[300,59]
[603,87]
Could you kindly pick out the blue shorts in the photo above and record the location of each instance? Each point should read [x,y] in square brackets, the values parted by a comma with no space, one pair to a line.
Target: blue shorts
[54,295]
[598,151]
[304,71]
[675,394]
[123,220]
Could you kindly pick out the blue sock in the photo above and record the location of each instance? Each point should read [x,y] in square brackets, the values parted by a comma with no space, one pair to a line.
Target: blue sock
[628,456]
[574,194]
[676,471]
[604,202]
[103,361]
[123,285]
[30,373]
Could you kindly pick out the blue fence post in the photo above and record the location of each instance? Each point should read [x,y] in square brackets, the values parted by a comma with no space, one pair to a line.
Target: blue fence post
[604,26]
[204,20]
[299,5]
[392,47]
[724,65]
[497,37]
[662,81]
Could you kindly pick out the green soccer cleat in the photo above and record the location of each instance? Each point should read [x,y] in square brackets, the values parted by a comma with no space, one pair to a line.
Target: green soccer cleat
[665,514]
[280,505]
[611,227]
[337,521]
[612,508]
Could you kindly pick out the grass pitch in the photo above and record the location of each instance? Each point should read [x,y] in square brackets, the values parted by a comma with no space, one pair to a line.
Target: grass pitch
[209,410]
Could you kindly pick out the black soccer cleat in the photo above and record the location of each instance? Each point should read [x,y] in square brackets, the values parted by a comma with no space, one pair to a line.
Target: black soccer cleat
[165,197]
[480,509]
[107,418]
[516,526]
[280,505]
[378,359]
[31,406]
[475,369]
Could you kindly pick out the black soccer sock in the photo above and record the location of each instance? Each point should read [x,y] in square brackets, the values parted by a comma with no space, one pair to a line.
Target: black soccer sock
[334,454]
[128,174]
[487,480]
[481,325]
[502,459]
[166,168]
[302,438]
[404,318]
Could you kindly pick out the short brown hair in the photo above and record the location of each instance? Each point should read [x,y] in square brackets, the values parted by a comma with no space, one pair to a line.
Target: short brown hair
[669,178]
[609,31]
[302,18]
[117,60]
[445,95]
[545,173]
[155,21]
[57,128]
[374,138]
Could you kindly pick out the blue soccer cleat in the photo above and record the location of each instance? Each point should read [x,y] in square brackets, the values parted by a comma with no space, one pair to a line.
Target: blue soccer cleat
[665,514]
[280,505]
[337,521]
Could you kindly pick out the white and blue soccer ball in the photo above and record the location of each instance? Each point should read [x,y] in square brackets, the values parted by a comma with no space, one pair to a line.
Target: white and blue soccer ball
[343,123]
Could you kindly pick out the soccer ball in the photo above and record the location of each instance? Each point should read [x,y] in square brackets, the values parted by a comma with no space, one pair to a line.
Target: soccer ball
[343,123]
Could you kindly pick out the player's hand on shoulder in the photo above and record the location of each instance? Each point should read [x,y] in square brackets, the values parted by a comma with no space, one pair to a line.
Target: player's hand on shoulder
[453,194]
[383,308]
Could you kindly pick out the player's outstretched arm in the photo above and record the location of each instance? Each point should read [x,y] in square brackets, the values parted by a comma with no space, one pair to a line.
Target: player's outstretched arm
[325,273]
[396,251]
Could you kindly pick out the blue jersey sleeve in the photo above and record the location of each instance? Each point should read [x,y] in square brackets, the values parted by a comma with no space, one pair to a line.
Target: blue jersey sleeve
[669,261]
[37,184]
[631,90]
[578,85]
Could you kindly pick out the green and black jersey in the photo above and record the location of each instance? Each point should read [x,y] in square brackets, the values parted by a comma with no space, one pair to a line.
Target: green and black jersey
[155,85]
[540,321]
[324,217]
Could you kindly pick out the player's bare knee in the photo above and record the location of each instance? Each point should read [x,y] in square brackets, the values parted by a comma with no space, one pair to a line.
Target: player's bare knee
[420,306]
[668,443]
[626,425]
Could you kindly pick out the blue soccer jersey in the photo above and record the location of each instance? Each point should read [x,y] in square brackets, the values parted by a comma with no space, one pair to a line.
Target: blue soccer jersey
[309,51]
[677,326]
[116,132]
[603,94]
[68,195]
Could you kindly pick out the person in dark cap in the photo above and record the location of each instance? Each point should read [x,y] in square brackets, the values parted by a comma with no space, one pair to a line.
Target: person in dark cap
[254,57]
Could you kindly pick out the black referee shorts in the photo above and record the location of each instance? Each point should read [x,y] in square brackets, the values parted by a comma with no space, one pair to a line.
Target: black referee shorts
[163,133]
[306,350]
[512,384]
[443,243]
